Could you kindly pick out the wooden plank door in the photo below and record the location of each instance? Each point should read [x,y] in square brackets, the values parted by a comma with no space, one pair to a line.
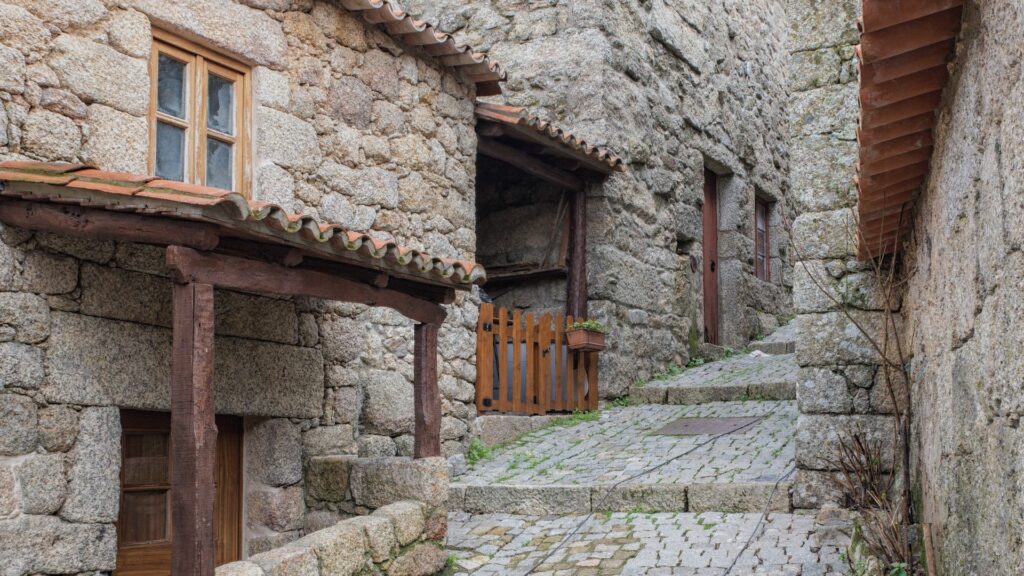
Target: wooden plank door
[710,256]
[144,521]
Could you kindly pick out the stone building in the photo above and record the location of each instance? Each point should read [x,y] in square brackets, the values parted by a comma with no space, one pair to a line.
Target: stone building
[684,92]
[267,111]
[700,129]
[933,131]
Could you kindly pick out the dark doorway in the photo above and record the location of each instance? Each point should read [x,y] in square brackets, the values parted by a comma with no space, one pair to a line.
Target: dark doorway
[710,257]
[144,522]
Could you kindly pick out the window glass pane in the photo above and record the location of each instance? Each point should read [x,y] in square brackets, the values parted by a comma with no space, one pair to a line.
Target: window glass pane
[219,167]
[144,517]
[170,152]
[220,104]
[145,458]
[171,86]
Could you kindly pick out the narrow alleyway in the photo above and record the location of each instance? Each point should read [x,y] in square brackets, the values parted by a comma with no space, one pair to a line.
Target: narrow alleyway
[619,495]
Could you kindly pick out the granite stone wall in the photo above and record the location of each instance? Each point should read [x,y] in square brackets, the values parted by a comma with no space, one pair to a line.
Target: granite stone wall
[670,86]
[964,305]
[840,387]
[347,125]
[395,539]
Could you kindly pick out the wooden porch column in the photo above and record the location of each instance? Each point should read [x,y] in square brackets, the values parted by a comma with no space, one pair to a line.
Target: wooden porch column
[193,431]
[576,299]
[427,399]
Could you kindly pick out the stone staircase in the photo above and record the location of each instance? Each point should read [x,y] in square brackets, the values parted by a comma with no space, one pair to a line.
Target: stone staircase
[635,500]
[767,372]
[580,465]
[754,376]
[782,341]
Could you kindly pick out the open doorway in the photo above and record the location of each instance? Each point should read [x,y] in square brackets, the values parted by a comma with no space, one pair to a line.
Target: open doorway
[532,183]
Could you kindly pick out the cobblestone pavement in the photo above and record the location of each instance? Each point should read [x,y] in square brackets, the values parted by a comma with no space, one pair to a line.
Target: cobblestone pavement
[756,375]
[621,444]
[632,543]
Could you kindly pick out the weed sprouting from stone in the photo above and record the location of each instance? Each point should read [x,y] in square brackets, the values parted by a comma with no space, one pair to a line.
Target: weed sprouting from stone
[477,452]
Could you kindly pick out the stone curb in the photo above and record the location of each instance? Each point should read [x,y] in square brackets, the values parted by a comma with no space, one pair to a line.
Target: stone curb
[534,500]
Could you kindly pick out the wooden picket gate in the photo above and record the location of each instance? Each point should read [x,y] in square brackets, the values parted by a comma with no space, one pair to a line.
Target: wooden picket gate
[524,365]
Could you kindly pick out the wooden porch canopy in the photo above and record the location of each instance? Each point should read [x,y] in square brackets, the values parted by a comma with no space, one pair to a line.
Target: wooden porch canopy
[903,52]
[215,238]
[537,147]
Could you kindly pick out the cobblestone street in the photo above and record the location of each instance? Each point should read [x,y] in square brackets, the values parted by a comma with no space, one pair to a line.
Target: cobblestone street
[635,543]
[622,443]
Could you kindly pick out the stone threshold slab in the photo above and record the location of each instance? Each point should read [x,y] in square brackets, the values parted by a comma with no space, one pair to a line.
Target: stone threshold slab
[690,395]
[542,500]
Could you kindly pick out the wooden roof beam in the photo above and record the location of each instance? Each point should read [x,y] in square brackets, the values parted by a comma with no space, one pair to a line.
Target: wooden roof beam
[247,275]
[527,163]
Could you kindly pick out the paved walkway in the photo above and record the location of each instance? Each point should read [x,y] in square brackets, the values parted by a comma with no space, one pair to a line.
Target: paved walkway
[747,376]
[570,469]
[632,543]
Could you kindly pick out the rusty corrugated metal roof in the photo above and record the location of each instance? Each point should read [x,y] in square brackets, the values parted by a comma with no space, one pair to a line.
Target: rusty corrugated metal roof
[117,191]
[486,73]
[598,157]
[903,52]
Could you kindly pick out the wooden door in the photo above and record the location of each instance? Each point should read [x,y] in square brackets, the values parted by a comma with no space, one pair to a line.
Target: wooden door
[144,522]
[710,256]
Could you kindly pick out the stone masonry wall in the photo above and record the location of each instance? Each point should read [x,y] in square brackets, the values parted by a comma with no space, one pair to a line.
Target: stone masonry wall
[347,125]
[668,85]
[965,308]
[396,539]
[839,386]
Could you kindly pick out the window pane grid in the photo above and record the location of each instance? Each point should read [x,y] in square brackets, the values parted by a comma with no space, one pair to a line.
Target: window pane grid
[213,118]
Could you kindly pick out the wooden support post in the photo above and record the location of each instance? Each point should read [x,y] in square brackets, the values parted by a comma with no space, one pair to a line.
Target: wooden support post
[576,301]
[427,399]
[193,430]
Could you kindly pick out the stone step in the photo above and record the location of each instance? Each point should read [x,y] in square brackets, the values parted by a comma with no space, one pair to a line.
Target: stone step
[780,347]
[541,500]
[782,341]
[747,377]
[574,466]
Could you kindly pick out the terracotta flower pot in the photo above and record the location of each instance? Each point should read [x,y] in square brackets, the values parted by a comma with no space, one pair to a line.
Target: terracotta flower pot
[585,340]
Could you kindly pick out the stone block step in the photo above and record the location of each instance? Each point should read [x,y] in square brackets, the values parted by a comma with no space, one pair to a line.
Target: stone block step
[778,347]
[747,377]
[541,500]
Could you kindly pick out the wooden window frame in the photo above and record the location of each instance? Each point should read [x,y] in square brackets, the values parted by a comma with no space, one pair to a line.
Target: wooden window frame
[199,63]
[763,272]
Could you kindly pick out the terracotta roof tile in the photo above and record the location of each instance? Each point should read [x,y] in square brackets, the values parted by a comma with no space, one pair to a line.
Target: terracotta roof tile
[75,184]
[598,157]
[902,56]
[486,73]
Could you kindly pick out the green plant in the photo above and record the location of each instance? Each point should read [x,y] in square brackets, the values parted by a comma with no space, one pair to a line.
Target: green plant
[671,372]
[589,325]
[477,451]
[695,361]
[898,569]
[577,417]
[621,402]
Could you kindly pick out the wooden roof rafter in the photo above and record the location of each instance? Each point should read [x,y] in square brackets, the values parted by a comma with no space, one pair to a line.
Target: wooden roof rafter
[516,128]
[903,54]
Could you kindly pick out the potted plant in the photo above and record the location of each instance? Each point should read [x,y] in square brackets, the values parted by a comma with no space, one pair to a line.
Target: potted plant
[586,335]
